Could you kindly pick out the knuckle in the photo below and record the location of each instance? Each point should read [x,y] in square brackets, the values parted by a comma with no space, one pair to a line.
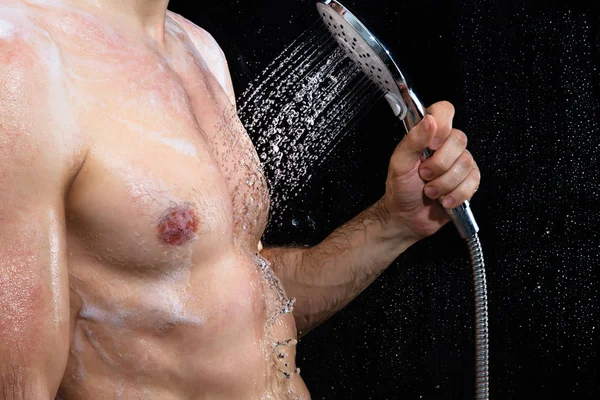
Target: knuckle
[445,127]
[460,137]
[444,164]
[466,161]
[447,106]
[455,179]
[460,194]
[473,185]
[438,164]
[469,195]
[442,106]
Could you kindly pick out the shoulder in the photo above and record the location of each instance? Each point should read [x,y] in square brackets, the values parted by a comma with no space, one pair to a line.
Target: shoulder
[25,45]
[34,111]
[207,47]
[28,57]
[197,34]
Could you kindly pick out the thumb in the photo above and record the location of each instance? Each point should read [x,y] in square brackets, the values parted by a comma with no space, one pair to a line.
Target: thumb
[411,147]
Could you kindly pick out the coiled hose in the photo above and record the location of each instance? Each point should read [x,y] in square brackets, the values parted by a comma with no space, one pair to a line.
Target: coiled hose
[482,384]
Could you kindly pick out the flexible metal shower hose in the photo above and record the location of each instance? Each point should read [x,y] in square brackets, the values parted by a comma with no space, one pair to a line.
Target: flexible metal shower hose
[482,384]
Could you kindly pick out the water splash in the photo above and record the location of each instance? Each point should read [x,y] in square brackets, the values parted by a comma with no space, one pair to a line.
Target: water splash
[296,112]
[282,358]
[281,305]
[299,108]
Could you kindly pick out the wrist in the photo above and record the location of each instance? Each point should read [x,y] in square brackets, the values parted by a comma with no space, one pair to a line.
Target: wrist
[393,230]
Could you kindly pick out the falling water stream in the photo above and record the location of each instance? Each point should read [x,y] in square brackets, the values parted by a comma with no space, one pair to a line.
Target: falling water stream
[299,108]
[296,111]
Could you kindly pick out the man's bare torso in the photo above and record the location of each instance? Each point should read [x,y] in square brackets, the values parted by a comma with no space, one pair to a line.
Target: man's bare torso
[169,296]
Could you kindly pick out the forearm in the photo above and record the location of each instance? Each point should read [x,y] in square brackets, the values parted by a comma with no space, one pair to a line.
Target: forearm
[325,278]
[34,347]
[17,383]
[34,304]
[33,351]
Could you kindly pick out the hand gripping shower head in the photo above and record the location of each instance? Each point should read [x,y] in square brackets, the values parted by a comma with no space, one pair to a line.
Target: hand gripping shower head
[375,60]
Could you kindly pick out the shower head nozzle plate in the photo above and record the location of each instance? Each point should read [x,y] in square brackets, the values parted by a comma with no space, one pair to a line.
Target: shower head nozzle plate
[370,55]
[361,46]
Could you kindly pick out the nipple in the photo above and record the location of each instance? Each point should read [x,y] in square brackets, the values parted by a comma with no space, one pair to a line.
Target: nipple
[178,225]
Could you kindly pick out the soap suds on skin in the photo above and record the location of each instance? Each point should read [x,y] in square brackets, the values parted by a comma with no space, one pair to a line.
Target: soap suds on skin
[164,302]
[180,145]
[55,267]
[7,29]
[206,47]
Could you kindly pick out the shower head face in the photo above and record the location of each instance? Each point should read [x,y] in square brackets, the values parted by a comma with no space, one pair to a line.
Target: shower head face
[362,47]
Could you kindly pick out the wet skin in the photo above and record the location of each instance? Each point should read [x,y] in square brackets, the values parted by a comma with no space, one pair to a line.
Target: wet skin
[164,206]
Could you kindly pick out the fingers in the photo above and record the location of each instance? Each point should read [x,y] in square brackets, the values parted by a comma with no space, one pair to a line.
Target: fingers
[442,160]
[451,171]
[457,185]
[411,148]
[443,113]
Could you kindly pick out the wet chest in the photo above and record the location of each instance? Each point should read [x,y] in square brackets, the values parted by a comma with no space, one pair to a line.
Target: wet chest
[172,174]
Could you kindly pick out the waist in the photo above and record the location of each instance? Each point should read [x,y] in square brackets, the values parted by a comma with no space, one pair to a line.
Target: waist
[175,362]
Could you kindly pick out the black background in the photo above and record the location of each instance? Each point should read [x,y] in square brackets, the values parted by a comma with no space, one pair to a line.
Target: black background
[524,80]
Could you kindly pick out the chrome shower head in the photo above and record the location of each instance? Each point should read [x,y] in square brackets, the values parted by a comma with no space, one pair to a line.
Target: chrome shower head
[377,63]
[374,59]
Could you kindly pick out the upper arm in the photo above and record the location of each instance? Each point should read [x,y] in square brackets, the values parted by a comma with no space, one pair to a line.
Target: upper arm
[210,51]
[34,173]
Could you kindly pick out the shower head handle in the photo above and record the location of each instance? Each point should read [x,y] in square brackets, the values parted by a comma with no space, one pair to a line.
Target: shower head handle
[370,55]
[409,108]
[411,113]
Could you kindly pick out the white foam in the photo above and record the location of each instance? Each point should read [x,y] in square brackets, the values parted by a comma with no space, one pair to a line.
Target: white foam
[167,301]
[55,266]
[7,29]
[215,61]
[55,64]
[180,145]
[177,310]
[171,299]
[93,313]
[76,350]
[206,47]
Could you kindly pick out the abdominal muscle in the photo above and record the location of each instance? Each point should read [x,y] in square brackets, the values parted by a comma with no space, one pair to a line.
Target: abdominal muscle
[185,335]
